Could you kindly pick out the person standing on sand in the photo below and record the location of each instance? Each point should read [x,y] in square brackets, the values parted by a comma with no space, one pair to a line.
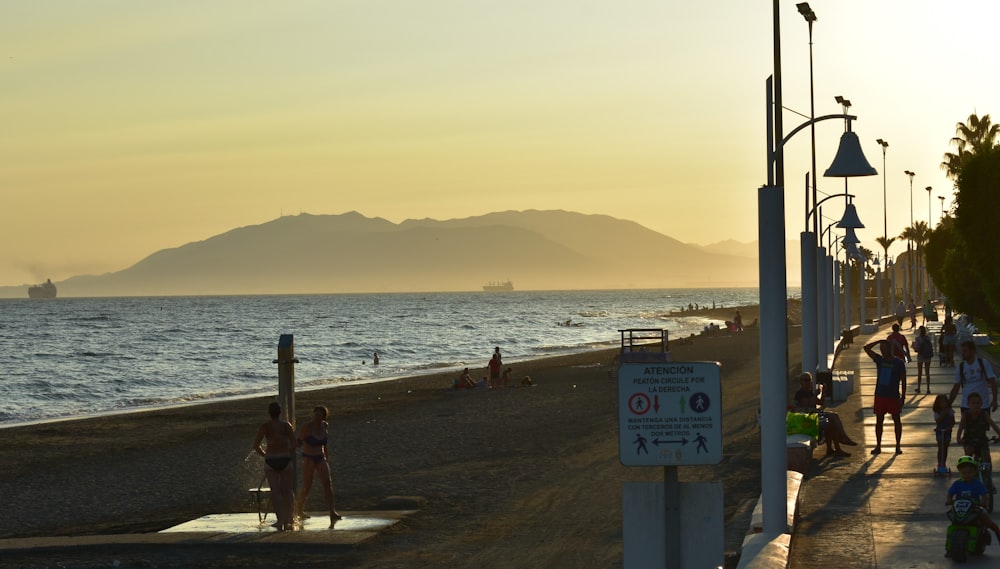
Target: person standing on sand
[890,390]
[314,437]
[738,321]
[494,365]
[280,438]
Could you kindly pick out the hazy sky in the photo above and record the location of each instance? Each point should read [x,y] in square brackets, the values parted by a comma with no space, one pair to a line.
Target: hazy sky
[127,127]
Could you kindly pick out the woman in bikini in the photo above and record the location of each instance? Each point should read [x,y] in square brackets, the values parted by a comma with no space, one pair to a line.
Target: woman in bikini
[314,436]
[280,438]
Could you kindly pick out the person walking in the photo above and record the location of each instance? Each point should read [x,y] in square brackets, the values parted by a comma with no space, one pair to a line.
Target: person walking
[974,375]
[314,437]
[912,311]
[925,353]
[900,347]
[890,391]
[900,312]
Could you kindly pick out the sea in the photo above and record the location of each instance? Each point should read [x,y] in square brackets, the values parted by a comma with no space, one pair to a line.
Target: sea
[74,357]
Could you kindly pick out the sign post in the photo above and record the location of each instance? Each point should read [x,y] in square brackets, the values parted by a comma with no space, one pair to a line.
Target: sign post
[670,415]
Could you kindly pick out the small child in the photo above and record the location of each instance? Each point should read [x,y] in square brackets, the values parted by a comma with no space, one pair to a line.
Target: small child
[971,488]
[944,421]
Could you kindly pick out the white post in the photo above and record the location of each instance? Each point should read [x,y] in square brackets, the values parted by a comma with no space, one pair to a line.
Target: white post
[831,303]
[773,358]
[822,318]
[864,293]
[837,326]
[847,293]
[892,288]
[807,243]
[878,286]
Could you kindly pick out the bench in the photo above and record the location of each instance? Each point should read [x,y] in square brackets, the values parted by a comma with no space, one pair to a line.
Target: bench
[261,496]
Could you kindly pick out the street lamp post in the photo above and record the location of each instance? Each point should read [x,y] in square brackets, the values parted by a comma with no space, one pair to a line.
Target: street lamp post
[849,161]
[885,216]
[807,239]
[927,272]
[911,265]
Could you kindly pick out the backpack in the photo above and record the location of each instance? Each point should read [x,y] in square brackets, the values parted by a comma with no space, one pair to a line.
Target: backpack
[961,370]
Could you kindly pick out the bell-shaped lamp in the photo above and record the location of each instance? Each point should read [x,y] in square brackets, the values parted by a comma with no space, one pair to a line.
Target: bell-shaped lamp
[850,238]
[850,218]
[850,161]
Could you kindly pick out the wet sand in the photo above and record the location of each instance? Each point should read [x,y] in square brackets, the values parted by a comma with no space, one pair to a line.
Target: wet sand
[511,477]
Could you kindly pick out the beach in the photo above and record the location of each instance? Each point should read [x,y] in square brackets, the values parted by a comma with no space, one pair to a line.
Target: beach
[519,476]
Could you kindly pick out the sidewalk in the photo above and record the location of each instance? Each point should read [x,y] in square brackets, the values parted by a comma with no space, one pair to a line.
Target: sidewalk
[887,510]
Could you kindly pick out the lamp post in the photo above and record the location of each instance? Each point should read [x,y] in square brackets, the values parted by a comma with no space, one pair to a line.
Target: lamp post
[885,210]
[927,272]
[807,239]
[891,267]
[911,266]
[850,161]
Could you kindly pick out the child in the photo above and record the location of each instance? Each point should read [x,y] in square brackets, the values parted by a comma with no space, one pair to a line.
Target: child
[973,431]
[944,421]
[971,488]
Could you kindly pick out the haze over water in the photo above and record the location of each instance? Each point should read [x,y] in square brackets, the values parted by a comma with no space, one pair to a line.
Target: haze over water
[69,357]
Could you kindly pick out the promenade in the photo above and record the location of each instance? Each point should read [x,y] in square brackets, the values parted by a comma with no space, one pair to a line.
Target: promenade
[887,510]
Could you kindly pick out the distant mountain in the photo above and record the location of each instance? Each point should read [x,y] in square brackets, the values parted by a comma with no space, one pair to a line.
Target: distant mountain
[793,255]
[353,253]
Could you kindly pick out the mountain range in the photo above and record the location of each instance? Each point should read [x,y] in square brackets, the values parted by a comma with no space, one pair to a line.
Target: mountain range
[350,252]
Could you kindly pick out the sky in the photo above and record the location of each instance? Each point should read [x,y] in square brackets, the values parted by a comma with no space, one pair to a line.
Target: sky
[128,127]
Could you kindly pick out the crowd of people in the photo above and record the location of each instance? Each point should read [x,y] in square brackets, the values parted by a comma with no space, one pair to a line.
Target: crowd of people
[495,377]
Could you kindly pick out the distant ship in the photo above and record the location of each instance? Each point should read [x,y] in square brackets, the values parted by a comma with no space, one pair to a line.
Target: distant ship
[44,290]
[505,286]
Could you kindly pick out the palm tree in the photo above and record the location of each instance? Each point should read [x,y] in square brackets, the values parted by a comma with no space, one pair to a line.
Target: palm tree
[971,137]
[919,234]
[885,243]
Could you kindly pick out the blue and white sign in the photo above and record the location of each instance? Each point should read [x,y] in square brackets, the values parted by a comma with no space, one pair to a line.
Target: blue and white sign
[670,414]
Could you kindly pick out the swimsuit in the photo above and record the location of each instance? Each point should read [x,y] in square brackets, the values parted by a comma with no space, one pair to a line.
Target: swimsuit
[316,458]
[313,441]
[277,463]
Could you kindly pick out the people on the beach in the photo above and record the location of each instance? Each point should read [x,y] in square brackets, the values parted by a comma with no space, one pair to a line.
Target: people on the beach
[944,421]
[464,381]
[375,358]
[526,382]
[314,437]
[974,375]
[808,400]
[738,321]
[924,347]
[890,391]
[494,366]
[900,313]
[506,377]
[280,438]
[949,333]
[970,487]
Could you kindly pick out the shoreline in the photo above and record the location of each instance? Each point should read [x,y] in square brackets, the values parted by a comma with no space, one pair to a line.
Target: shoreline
[749,312]
[496,469]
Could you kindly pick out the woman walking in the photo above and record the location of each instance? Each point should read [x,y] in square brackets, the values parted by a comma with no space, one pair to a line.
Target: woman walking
[314,437]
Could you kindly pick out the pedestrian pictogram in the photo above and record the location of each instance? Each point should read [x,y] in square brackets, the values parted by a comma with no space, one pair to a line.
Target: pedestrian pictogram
[700,403]
[641,441]
[639,404]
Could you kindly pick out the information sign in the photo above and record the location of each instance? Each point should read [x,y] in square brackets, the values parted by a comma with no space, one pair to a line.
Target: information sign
[670,414]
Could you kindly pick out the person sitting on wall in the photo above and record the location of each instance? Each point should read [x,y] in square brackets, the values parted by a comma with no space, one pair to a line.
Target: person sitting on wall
[809,401]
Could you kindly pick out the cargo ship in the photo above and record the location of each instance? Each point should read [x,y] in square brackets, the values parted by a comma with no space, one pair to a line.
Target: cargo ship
[505,286]
[44,290]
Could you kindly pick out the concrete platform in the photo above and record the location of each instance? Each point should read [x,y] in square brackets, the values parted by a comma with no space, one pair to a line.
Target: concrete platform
[250,523]
[355,528]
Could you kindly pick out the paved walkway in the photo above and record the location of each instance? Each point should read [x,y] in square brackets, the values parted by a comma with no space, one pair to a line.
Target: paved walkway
[887,510]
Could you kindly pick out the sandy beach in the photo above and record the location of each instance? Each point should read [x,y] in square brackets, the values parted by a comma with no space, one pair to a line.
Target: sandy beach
[510,477]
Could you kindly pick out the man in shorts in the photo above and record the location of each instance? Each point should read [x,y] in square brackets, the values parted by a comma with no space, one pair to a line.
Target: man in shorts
[890,390]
